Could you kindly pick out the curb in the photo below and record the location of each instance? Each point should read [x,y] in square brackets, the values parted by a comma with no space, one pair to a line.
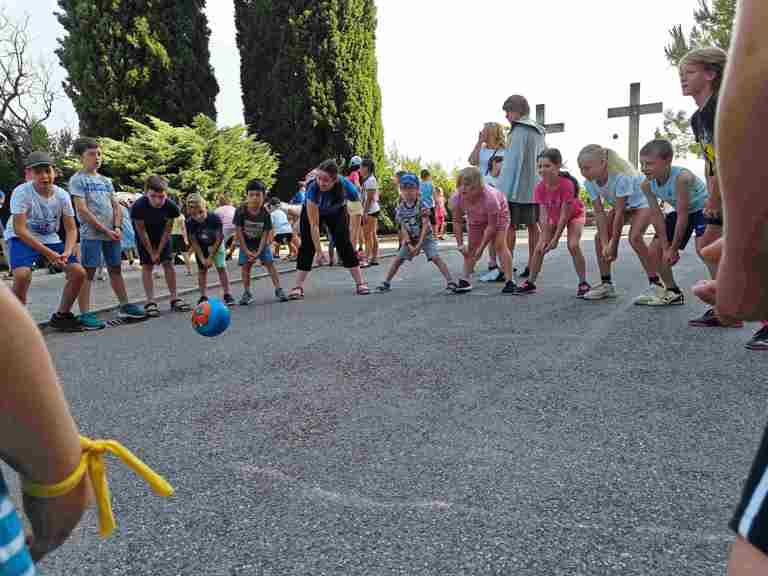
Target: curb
[106,309]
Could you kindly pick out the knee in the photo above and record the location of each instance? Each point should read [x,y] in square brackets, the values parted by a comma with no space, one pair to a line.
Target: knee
[77,272]
[574,247]
[637,242]
[22,275]
[115,271]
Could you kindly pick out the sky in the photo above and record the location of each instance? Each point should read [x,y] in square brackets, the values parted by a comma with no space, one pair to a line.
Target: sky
[446,67]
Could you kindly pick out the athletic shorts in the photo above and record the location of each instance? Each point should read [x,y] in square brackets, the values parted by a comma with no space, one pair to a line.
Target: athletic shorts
[696,224]
[750,520]
[22,255]
[283,239]
[527,214]
[178,245]
[715,220]
[355,208]
[219,260]
[92,251]
[429,248]
[374,214]
[265,257]
[145,260]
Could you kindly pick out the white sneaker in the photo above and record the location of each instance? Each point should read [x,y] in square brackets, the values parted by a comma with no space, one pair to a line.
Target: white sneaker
[491,275]
[652,294]
[600,292]
[667,298]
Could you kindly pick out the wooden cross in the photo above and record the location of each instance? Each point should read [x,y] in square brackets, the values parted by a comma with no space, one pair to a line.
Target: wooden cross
[541,121]
[634,111]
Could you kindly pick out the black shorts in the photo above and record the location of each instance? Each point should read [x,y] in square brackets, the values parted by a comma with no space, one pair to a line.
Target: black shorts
[695,224]
[375,214]
[751,518]
[283,239]
[527,214]
[714,220]
[144,259]
[177,244]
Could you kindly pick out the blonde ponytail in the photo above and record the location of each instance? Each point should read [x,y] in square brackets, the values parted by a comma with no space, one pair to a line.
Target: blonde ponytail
[616,164]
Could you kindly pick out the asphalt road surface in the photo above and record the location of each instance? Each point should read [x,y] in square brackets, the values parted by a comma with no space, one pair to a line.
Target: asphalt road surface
[422,433]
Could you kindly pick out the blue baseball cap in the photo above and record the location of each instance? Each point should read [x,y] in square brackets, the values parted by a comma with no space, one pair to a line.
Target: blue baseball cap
[409,180]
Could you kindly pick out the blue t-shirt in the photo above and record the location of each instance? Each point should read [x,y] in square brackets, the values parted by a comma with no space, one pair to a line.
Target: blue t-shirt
[618,186]
[667,192]
[14,555]
[43,214]
[427,192]
[98,192]
[335,199]
[299,197]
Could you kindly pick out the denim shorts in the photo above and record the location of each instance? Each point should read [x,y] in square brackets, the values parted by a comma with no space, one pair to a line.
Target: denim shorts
[265,256]
[91,252]
[429,248]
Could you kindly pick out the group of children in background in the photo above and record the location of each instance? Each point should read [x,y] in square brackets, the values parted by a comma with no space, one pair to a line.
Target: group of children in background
[493,197]
[154,229]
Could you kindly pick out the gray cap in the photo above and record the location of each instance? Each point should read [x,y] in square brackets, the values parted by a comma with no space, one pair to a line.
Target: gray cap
[38,159]
[355,161]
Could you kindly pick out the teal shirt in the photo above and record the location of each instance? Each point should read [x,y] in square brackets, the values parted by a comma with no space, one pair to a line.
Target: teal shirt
[667,192]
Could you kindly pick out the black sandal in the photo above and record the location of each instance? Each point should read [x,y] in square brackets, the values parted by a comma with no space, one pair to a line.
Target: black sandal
[151,309]
[363,289]
[178,305]
[296,293]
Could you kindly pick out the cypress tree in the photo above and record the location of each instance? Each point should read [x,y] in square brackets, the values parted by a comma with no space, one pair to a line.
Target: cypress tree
[309,78]
[135,59]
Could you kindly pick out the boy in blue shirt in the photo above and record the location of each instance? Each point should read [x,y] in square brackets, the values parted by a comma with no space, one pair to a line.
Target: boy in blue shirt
[101,225]
[687,194]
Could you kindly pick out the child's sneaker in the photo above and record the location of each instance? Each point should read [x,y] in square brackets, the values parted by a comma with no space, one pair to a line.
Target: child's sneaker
[601,292]
[527,287]
[90,323]
[452,286]
[509,288]
[246,298]
[202,299]
[66,323]
[759,341]
[280,295]
[131,311]
[463,286]
[228,300]
[583,289]
[384,287]
[526,273]
[667,298]
[492,275]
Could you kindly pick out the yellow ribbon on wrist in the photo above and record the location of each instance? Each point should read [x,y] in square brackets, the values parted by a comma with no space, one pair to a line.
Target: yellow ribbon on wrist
[92,463]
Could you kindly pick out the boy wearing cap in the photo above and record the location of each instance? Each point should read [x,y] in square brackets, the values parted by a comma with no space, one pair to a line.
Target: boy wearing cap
[415,233]
[100,232]
[37,208]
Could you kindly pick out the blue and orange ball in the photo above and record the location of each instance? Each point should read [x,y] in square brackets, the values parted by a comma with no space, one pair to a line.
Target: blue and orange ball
[211,318]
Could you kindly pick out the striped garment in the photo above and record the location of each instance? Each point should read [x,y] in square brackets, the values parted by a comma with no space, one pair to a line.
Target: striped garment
[14,555]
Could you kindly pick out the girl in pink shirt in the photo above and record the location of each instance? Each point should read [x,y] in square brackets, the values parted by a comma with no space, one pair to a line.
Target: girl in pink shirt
[561,208]
[488,217]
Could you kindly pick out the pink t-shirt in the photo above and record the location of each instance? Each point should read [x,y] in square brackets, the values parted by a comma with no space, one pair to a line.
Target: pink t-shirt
[490,209]
[354,177]
[227,215]
[553,200]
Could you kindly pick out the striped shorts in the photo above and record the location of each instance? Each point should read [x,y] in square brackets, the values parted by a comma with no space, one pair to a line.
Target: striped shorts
[14,555]
[751,518]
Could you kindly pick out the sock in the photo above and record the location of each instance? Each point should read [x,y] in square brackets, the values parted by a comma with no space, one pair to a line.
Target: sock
[606,279]
[654,280]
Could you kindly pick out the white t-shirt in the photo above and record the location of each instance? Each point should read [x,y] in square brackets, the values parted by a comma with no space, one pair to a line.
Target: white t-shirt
[368,185]
[280,223]
[619,186]
[43,214]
